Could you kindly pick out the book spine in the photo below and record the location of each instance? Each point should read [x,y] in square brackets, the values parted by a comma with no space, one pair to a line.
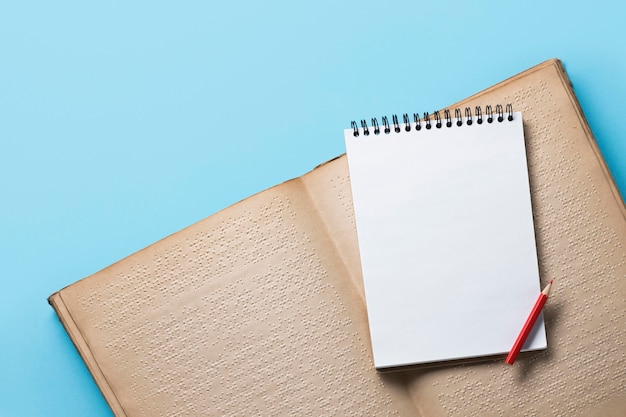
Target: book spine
[81,345]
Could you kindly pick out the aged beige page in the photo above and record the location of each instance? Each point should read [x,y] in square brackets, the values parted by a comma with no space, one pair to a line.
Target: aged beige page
[252,311]
[259,309]
[580,223]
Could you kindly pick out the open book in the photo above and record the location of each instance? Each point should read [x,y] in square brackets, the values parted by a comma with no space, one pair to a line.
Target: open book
[259,309]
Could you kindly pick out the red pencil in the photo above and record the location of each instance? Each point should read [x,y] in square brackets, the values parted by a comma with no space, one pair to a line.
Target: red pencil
[530,322]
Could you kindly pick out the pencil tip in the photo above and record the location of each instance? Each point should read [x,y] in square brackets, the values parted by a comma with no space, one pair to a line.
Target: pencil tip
[546,290]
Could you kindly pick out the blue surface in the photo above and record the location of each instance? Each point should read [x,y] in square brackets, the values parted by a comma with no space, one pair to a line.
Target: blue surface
[121,123]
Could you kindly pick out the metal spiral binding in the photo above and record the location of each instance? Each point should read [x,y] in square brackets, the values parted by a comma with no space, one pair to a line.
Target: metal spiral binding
[462,117]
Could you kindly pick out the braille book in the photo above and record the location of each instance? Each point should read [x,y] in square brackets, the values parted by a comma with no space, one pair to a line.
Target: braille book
[260,309]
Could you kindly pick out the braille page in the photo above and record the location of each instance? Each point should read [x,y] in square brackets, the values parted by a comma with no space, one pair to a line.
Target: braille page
[249,312]
[580,224]
[446,239]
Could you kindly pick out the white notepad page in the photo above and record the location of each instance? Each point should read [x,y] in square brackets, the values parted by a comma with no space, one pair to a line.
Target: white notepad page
[446,238]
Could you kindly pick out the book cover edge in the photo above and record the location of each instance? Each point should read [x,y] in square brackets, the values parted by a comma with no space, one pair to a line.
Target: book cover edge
[81,345]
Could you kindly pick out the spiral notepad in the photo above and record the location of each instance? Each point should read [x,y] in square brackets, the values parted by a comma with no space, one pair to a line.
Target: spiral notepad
[446,235]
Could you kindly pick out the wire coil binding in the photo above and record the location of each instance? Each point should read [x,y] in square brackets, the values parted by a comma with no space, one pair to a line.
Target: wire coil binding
[466,117]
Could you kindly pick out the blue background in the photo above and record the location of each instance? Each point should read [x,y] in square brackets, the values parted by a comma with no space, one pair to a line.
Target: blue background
[123,122]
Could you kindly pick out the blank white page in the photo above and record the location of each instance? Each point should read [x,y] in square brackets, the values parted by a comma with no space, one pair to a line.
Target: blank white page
[446,238]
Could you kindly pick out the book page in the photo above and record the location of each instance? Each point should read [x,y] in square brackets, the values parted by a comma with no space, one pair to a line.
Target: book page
[446,236]
[248,312]
[581,236]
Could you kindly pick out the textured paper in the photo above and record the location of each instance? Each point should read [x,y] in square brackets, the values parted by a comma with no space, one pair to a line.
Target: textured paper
[446,237]
[260,309]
